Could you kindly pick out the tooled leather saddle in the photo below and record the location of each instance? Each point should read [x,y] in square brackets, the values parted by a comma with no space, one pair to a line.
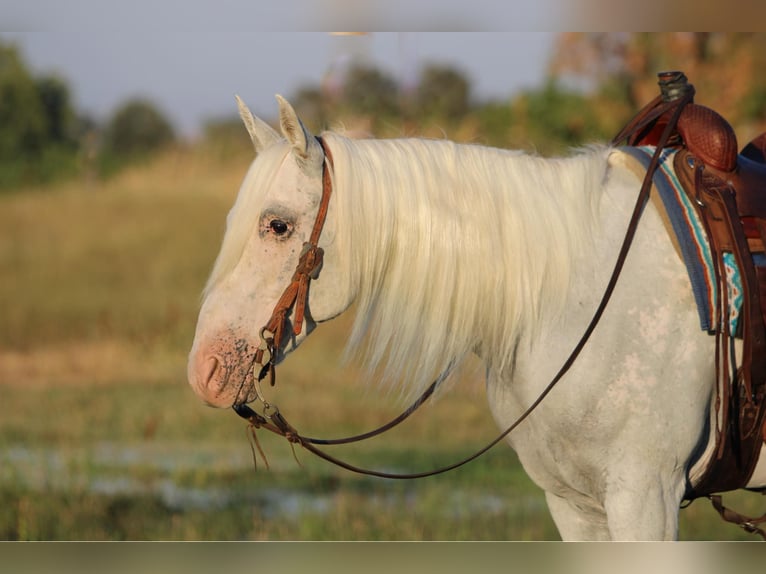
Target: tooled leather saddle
[728,190]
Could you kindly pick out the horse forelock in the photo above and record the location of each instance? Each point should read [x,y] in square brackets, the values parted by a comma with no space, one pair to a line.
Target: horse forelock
[456,248]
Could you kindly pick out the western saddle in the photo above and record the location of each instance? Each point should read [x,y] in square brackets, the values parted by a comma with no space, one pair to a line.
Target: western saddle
[728,191]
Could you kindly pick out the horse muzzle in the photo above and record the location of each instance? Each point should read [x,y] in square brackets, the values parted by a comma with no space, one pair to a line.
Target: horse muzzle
[221,374]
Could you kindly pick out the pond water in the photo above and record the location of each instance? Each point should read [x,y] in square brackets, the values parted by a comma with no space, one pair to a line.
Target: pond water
[140,470]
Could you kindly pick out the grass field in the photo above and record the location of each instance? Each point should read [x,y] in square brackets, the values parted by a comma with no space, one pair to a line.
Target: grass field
[102,439]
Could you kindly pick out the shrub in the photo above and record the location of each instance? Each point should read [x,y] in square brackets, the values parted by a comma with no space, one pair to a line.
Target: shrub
[136,130]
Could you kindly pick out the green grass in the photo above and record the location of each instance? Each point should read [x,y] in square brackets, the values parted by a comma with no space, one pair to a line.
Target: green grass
[102,439]
[61,446]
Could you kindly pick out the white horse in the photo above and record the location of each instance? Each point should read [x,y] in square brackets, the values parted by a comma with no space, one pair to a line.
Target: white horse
[450,250]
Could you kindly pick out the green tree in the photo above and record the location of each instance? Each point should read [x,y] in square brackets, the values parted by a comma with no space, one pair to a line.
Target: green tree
[563,115]
[21,117]
[548,120]
[368,90]
[136,130]
[58,112]
[442,91]
[38,139]
[496,121]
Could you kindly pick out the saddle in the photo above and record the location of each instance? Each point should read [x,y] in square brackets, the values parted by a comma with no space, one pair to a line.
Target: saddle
[728,190]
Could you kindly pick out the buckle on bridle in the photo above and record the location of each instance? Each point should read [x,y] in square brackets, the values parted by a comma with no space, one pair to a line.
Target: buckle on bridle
[263,352]
[310,261]
[264,355]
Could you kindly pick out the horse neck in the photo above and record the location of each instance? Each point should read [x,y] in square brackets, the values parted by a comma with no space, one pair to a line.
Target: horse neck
[458,248]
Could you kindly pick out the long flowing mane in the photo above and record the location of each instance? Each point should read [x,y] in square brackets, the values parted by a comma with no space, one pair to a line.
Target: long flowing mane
[452,248]
[457,248]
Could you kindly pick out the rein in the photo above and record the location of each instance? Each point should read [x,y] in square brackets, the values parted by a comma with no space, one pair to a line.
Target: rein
[675,95]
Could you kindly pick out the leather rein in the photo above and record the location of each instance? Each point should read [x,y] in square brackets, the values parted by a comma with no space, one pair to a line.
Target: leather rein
[296,294]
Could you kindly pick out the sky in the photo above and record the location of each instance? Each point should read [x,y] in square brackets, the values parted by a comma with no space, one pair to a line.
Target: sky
[193,72]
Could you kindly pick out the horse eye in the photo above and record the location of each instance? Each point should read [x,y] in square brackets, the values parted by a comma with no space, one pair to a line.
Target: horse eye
[278,226]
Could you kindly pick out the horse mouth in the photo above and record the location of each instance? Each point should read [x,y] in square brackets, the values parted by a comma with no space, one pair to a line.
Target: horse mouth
[247,391]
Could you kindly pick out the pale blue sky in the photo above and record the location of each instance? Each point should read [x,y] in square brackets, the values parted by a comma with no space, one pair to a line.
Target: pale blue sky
[193,73]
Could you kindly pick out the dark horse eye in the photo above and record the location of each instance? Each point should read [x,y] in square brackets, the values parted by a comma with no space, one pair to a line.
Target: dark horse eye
[278,226]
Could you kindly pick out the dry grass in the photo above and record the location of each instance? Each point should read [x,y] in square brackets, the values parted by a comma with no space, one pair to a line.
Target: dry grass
[125,261]
[82,363]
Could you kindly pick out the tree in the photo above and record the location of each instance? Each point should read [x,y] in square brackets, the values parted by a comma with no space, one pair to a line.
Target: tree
[60,120]
[136,130]
[21,117]
[442,91]
[368,90]
[37,137]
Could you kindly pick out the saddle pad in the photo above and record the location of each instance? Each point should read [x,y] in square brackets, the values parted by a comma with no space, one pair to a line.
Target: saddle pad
[691,239]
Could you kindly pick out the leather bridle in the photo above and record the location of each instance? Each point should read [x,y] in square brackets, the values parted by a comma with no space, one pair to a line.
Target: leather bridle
[297,292]
[309,265]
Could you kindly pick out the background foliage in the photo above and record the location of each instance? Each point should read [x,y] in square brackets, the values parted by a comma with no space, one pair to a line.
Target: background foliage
[108,233]
[38,137]
[595,82]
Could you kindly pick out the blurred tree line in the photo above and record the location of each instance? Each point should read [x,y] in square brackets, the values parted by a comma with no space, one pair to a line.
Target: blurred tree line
[594,83]
[43,137]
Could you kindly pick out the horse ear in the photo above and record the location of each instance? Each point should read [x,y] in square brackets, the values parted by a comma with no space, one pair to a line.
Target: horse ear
[307,150]
[262,134]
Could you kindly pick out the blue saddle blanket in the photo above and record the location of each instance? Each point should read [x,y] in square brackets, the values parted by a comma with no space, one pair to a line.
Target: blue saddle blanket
[692,241]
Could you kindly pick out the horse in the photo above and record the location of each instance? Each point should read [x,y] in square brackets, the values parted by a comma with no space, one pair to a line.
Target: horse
[449,251]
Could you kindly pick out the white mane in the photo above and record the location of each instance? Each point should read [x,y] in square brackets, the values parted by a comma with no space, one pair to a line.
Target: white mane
[452,248]
[457,248]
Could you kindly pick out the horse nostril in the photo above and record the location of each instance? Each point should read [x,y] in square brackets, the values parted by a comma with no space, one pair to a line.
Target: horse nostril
[209,368]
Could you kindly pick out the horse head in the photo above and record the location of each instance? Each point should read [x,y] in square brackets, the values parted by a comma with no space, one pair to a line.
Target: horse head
[267,228]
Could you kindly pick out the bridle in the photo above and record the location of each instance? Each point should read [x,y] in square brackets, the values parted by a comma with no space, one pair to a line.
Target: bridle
[295,297]
[297,292]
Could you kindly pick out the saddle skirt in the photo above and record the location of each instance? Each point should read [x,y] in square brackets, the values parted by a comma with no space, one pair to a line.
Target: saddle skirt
[687,233]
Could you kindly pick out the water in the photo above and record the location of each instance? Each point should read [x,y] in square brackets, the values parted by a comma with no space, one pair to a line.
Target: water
[152,470]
